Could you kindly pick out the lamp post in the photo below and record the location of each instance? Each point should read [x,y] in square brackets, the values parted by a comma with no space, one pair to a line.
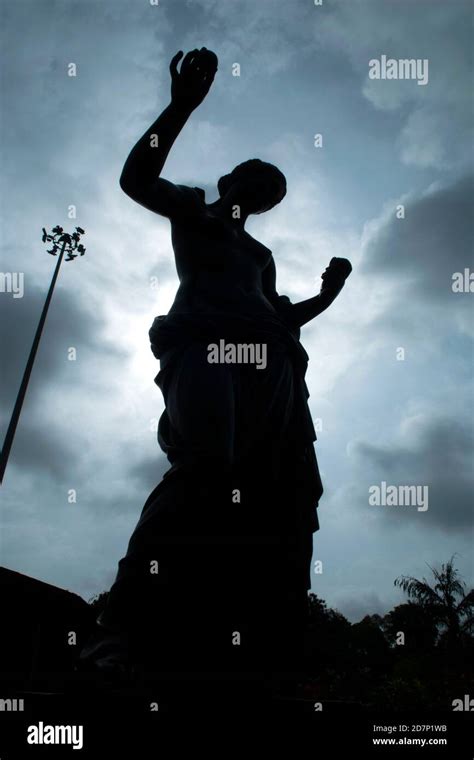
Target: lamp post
[65,244]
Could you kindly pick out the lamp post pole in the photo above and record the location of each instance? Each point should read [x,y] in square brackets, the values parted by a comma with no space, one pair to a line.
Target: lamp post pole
[65,244]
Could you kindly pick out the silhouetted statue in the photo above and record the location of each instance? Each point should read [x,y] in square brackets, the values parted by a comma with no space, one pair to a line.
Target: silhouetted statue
[229,528]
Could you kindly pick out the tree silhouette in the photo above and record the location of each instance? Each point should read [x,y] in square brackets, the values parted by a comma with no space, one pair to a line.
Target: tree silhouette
[447,600]
[417,624]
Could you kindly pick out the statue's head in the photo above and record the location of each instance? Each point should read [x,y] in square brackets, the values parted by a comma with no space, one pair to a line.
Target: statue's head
[256,185]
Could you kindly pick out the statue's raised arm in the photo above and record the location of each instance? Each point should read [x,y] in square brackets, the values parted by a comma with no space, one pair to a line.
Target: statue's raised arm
[140,177]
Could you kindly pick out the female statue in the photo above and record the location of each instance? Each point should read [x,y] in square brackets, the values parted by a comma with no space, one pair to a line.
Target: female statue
[238,505]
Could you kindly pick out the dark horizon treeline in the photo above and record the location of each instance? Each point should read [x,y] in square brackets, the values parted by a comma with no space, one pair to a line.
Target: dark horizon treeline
[416,655]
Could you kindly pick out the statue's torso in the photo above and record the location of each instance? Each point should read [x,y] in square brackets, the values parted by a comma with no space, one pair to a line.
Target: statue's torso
[219,267]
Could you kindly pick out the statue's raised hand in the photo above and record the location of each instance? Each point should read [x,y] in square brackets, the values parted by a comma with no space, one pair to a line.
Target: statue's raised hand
[190,85]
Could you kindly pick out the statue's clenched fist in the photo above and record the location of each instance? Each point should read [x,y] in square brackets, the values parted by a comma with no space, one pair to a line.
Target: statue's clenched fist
[336,272]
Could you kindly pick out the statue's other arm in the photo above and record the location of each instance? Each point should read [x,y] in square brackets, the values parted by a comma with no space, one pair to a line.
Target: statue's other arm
[298,314]
[140,178]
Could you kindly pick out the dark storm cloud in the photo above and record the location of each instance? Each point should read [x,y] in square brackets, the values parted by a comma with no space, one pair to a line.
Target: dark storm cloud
[355,608]
[43,441]
[429,245]
[68,324]
[149,472]
[438,453]
[44,448]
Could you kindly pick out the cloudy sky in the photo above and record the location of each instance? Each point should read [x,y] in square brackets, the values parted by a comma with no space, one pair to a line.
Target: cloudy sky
[88,424]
